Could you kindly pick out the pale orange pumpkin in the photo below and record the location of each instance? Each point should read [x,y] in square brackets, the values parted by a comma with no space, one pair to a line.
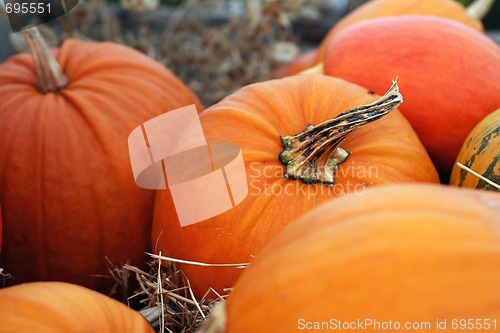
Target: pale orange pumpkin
[400,253]
[450,9]
[254,118]
[57,307]
[68,196]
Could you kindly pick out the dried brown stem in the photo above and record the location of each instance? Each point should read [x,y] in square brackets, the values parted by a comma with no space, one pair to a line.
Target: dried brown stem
[479,8]
[49,73]
[314,155]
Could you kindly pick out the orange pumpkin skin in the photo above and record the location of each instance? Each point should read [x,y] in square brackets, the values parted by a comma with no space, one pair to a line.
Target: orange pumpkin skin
[68,196]
[385,8]
[448,75]
[303,62]
[481,153]
[400,253]
[1,235]
[62,307]
[385,151]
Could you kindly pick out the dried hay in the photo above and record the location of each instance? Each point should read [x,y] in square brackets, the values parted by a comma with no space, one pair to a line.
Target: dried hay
[165,297]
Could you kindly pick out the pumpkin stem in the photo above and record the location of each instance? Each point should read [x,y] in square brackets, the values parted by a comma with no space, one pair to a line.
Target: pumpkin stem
[314,156]
[479,8]
[49,73]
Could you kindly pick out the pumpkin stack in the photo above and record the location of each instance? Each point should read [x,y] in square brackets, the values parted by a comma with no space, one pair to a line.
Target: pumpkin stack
[420,257]
[345,224]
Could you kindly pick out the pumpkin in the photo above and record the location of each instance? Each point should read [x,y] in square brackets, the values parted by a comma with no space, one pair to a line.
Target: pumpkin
[1,230]
[303,62]
[254,118]
[68,197]
[385,8]
[397,253]
[62,307]
[481,153]
[447,72]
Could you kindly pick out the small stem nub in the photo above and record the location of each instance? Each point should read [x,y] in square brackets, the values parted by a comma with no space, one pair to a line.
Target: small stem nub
[314,156]
[478,9]
[49,73]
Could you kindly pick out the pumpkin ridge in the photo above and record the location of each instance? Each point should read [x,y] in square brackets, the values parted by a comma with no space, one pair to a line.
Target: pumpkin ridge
[263,123]
[41,124]
[78,108]
[64,298]
[246,222]
[266,102]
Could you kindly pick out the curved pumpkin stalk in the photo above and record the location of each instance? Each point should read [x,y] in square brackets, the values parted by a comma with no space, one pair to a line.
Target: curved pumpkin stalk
[479,8]
[314,155]
[49,74]
[492,183]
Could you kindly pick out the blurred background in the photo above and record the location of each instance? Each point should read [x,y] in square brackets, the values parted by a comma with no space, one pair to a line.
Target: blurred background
[225,44]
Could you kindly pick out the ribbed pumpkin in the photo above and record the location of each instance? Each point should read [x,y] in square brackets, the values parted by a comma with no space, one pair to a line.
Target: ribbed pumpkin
[398,253]
[481,153]
[254,118]
[385,8]
[57,307]
[68,197]
[1,234]
[447,72]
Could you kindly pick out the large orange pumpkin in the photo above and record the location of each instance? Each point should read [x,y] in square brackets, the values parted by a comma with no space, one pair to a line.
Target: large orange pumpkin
[58,307]
[416,254]
[254,118]
[481,153]
[1,235]
[384,8]
[447,71]
[68,197]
